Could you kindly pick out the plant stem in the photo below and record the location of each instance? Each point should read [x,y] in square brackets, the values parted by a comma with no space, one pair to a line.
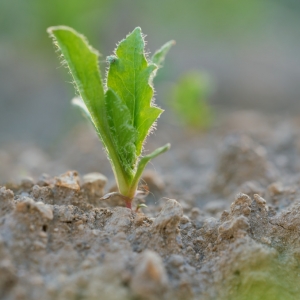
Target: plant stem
[128,204]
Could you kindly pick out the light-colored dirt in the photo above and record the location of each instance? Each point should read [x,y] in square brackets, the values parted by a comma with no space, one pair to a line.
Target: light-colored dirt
[235,235]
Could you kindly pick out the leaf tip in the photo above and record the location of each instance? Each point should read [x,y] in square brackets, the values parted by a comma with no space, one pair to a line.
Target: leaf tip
[137,29]
[137,33]
[165,148]
[52,29]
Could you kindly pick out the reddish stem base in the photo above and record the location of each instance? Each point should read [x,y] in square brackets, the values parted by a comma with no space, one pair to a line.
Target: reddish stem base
[128,204]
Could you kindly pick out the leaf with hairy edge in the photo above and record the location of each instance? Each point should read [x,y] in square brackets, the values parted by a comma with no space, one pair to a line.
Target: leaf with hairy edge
[85,72]
[122,131]
[129,75]
[123,113]
[82,61]
[160,55]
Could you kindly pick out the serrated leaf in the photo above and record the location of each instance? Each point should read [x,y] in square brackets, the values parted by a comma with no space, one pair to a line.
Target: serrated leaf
[129,76]
[160,55]
[122,131]
[124,114]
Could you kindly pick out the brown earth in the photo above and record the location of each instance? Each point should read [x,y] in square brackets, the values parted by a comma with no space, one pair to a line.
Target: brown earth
[233,231]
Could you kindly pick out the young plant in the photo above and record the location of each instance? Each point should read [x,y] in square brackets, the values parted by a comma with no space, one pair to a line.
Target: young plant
[122,111]
[189,99]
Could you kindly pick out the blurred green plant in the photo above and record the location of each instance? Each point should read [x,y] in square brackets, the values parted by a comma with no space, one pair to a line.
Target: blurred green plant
[189,99]
[122,111]
[271,280]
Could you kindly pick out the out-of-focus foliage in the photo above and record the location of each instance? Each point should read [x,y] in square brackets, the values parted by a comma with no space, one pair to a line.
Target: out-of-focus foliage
[26,21]
[251,47]
[190,99]
[275,278]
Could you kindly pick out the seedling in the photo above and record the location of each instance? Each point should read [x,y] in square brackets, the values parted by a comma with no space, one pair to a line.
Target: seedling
[139,206]
[122,110]
[190,97]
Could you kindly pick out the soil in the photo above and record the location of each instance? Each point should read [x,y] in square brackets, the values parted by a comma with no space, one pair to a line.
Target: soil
[223,218]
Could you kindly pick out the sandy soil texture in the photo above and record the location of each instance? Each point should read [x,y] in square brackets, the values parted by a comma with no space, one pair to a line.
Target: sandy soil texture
[223,221]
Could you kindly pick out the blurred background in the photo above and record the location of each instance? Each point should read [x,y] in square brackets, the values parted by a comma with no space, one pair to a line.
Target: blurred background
[251,49]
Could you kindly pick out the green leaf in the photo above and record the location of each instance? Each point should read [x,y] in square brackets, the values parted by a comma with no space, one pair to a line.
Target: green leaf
[85,72]
[144,161]
[123,112]
[122,131]
[129,76]
[160,55]
[82,61]
[190,99]
[78,102]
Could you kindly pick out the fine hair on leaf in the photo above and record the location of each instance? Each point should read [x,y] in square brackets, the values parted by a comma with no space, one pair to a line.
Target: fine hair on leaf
[122,110]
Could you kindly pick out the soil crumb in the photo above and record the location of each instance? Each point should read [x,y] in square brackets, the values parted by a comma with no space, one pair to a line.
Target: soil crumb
[222,224]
